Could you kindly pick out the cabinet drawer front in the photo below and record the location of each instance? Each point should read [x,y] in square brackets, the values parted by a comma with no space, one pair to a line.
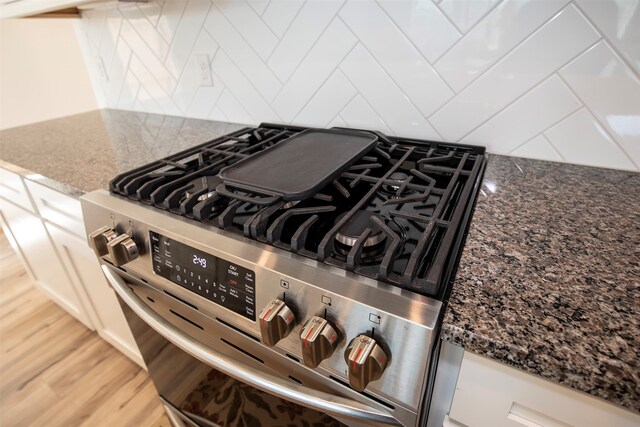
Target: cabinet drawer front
[12,188]
[58,208]
[489,393]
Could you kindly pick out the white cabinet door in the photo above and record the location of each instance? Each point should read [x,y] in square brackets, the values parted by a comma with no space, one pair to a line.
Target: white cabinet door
[85,271]
[490,394]
[41,259]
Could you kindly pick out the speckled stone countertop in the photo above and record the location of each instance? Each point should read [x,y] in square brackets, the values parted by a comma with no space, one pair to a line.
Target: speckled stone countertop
[81,153]
[549,281]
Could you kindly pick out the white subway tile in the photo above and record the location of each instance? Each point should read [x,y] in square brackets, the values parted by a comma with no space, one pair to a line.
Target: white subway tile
[538,148]
[145,102]
[248,23]
[384,96]
[170,18]
[242,54]
[203,101]
[242,90]
[151,10]
[109,39]
[424,24]
[303,33]
[128,92]
[148,33]
[96,21]
[619,20]
[189,82]
[323,58]
[186,35]
[338,122]
[503,29]
[465,14]
[611,91]
[117,72]
[410,71]
[280,13]
[152,87]
[358,114]
[232,109]
[528,116]
[506,71]
[147,57]
[218,114]
[259,5]
[327,102]
[556,43]
[580,139]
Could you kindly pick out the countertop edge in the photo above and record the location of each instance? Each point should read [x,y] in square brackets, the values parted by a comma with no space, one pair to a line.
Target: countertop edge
[53,184]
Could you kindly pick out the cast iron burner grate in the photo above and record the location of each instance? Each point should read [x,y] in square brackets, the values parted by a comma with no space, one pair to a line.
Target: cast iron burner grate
[399,214]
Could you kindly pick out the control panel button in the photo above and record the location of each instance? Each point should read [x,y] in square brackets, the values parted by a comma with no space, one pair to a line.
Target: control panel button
[99,239]
[122,250]
[319,339]
[366,361]
[276,322]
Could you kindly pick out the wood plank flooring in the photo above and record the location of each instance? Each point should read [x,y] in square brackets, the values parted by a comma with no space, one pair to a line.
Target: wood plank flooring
[56,372]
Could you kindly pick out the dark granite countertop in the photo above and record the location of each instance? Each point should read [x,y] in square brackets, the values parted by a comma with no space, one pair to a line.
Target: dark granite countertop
[549,281]
[81,153]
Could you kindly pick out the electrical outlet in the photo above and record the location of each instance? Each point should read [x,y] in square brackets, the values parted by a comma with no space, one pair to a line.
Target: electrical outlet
[203,69]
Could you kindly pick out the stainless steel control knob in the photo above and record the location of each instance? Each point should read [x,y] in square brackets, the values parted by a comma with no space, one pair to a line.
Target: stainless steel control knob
[366,361]
[319,339]
[99,239]
[122,250]
[276,321]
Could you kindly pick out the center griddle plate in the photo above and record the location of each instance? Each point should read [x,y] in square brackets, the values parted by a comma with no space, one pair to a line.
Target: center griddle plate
[298,167]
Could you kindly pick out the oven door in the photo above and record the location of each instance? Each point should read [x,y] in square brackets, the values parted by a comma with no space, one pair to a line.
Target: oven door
[207,373]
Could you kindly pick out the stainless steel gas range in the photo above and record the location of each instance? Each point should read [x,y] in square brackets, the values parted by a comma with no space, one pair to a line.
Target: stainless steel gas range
[282,275]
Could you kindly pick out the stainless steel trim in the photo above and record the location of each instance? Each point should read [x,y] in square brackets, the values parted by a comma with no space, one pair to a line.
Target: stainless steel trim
[301,395]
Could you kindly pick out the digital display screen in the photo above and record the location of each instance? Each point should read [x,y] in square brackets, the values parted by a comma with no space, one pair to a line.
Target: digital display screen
[220,281]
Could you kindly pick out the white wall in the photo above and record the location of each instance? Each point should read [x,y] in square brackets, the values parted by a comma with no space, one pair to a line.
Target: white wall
[42,72]
[551,79]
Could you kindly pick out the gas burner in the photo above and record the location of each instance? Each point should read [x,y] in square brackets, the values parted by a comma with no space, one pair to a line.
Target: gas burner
[398,179]
[199,184]
[421,191]
[361,220]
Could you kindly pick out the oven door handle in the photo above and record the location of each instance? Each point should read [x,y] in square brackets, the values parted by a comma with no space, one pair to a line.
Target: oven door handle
[301,395]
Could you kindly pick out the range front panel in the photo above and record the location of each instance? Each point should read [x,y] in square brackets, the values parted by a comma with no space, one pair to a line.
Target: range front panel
[216,279]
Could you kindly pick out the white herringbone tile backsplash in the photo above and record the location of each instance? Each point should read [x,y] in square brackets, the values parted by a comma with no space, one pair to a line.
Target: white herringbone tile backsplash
[549,79]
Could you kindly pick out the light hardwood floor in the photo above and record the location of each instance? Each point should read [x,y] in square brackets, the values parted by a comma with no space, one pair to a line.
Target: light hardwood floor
[56,372]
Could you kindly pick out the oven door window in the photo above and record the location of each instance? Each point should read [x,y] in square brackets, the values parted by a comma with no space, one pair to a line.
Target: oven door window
[227,402]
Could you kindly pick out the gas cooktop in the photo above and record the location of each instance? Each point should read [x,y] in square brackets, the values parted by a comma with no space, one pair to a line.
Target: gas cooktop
[397,212]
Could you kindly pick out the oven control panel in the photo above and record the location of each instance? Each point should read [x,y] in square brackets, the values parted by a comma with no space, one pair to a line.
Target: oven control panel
[216,279]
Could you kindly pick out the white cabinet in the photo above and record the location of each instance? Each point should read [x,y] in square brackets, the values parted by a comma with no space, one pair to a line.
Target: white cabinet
[41,259]
[84,270]
[50,241]
[492,394]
